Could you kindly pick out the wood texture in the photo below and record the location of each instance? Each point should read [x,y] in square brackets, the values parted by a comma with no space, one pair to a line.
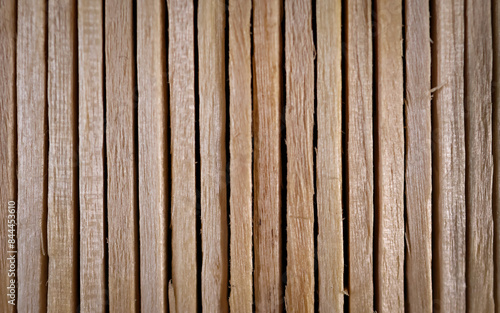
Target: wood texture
[449,156]
[32,160]
[122,197]
[329,156]
[390,157]
[153,162]
[62,227]
[267,89]
[240,148]
[496,148]
[479,158]
[91,155]
[211,52]
[360,155]
[182,295]
[418,172]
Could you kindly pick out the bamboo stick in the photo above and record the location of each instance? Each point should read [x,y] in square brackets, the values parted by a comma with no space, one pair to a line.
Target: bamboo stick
[496,148]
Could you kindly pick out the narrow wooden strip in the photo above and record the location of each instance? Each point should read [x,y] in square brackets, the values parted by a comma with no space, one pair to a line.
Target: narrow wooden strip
[496,147]
[211,51]
[91,155]
[449,156]
[63,162]
[329,156]
[418,173]
[122,214]
[267,91]
[360,155]
[479,157]
[240,146]
[8,153]
[32,161]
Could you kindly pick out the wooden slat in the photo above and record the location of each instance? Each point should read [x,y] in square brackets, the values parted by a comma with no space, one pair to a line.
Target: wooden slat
[449,156]
[267,91]
[32,161]
[479,157]
[211,52]
[91,155]
[62,205]
[122,198]
[240,146]
[496,147]
[390,159]
[329,156]
[360,155]
[418,173]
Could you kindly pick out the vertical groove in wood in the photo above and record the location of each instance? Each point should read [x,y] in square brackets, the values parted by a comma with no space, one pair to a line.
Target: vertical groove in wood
[496,147]
[62,294]
[240,84]
[32,158]
[267,91]
[449,156]
[360,155]
[91,155]
[214,268]
[418,156]
[122,214]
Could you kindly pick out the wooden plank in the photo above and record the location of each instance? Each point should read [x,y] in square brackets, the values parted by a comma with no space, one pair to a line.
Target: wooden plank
[62,205]
[91,155]
[390,158]
[479,157]
[418,172]
[299,54]
[329,156]
[211,52]
[122,197]
[496,148]
[449,156]
[32,160]
[267,78]
[182,295]
[8,153]
[240,147]
[360,155]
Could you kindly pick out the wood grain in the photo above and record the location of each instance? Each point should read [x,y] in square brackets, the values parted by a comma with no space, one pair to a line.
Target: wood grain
[496,148]
[240,148]
[122,197]
[449,156]
[267,91]
[418,172]
[329,156]
[211,52]
[32,160]
[360,155]
[182,295]
[479,157]
[91,155]
[62,227]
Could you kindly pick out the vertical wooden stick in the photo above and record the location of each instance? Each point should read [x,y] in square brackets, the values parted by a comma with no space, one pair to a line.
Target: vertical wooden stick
[418,173]
[91,155]
[496,147]
[449,162]
[267,155]
[329,156]
[240,84]
[479,157]
[122,198]
[32,161]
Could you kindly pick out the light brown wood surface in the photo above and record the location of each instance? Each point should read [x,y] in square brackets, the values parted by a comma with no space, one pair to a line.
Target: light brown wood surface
[32,161]
[418,172]
[267,103]
[359,154]
[449,156]
[122,198]
[240,148]
[329,156]
[390,157]
[91,156]
[153,162]
[496,148]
